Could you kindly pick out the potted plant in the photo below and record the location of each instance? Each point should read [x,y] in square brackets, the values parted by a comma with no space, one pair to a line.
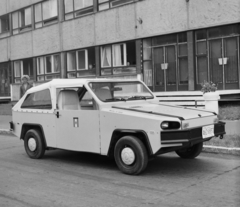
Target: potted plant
[210,95]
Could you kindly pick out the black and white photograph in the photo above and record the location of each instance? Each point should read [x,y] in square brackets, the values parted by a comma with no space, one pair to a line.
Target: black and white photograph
[119,103]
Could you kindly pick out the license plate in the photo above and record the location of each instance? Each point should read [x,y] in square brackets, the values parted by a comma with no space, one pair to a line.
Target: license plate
[208,131]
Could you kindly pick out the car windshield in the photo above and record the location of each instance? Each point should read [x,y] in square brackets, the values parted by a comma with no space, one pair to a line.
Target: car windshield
[120,91]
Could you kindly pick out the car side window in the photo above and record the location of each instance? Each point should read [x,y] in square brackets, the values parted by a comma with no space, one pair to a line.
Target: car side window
[86,102]
[38,100]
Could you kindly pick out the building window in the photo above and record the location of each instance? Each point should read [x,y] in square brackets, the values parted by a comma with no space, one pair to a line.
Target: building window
[46,13]
[76,8]
[4,23]
[118,58]
[217,56]
[165,62]
[81,63]
[48,67]
[22,20]
[107,4]
[23,67]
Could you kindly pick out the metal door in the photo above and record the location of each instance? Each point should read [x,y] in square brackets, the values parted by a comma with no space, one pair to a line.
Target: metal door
[223,62]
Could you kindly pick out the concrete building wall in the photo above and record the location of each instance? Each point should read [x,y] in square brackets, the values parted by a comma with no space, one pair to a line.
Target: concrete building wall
[116,25]
[46,40]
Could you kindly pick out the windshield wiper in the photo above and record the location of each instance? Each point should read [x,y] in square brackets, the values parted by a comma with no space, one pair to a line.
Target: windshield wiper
[139,97]
[115,99]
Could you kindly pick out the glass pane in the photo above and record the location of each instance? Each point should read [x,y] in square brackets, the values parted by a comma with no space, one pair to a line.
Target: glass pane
[38,100]
[202,73]
[40,65]
[91,58]
[68,6]
[118,55]
[232,60]
[69,16]
[183,70]
[81,60]
[28,67]
[38,12]
[164,40]
[158,60]
[119,2]
[57,63]
[148,76]
[215,53]
[201,34]
[48,64]
[17,68]
[201,47]
[71,61]
[28,16]
[106,56]
[40,78]
[4,23]
[182,37]
[147,49]
[15,20]
[80,4]
[182,49]
[223,31]
[131,53]
[171,70]
[106,71]
[49,9]
[71,75]
[103,6]
[101,1]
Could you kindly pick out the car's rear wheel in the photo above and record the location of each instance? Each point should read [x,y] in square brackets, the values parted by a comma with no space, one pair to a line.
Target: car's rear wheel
[130,155]
[34,145]
[190,152]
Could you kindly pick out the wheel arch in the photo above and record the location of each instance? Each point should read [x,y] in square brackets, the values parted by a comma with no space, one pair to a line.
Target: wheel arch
[27,126]
[140,134]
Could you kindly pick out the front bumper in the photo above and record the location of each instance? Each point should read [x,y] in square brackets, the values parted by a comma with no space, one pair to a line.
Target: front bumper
[189,137]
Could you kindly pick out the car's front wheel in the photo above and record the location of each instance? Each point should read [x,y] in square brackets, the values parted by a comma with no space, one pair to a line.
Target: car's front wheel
[130,155]
[34,145]
[190,152]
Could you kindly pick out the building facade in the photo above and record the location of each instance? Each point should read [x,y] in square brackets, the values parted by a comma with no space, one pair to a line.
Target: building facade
[172,45]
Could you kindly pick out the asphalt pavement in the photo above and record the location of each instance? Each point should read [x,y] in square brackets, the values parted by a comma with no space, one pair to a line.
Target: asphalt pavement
[66,179]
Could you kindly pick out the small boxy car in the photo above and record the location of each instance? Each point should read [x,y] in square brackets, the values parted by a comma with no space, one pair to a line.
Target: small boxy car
[117,118]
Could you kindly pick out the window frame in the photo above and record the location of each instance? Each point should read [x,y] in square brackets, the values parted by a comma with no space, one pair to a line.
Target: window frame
[44,22]
[8,24]
[110,2]
[39,106]
[17,79]
[73,14]
[114,68]
[45,75]
[20,22]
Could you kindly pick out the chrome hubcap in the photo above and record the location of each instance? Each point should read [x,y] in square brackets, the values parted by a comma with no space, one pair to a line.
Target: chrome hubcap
[32,145]
[128,156]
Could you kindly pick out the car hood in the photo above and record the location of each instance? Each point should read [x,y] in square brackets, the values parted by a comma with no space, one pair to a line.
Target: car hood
[182,113]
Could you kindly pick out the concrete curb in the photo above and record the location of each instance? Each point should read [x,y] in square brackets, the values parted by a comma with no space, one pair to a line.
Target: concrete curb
[6,132]
[221,150]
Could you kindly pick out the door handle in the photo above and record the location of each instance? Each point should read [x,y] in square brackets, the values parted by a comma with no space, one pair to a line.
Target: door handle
[57,114]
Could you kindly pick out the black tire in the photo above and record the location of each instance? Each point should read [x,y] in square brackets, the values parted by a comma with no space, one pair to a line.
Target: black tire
[191,152]
[34,136]
[140,153]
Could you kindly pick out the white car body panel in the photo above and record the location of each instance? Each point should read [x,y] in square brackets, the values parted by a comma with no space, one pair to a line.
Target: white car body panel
[94,129]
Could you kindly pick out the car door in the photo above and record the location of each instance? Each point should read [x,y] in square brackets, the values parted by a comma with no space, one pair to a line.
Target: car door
[77,125]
